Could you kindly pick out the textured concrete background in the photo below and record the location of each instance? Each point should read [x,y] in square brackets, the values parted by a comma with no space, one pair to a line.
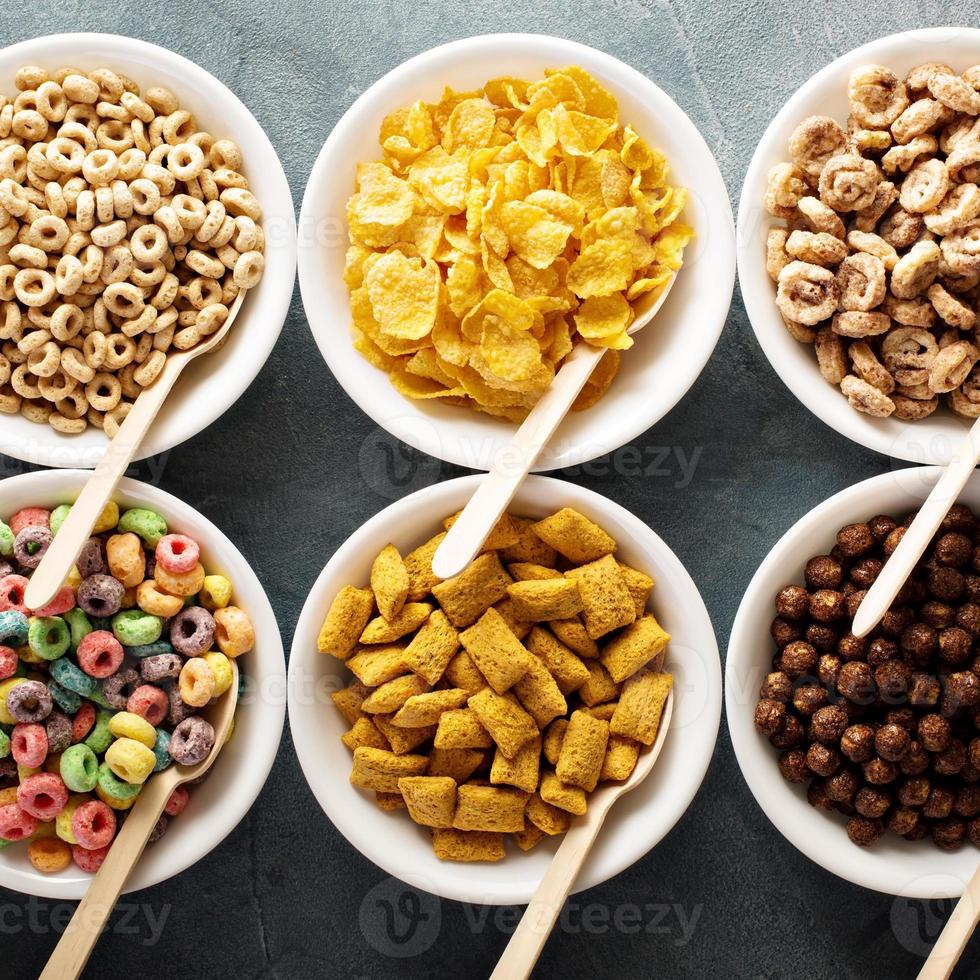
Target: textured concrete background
[285,895]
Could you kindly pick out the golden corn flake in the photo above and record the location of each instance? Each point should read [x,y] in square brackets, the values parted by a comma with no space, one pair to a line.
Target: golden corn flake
[500,227]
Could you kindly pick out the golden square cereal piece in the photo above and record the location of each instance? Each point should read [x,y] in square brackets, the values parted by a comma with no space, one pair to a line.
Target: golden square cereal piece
[374,666]
[640,586]
[568,798]
[504,533]
[494,808]
[460,764]
[521,771]
[364,732]
[389,582]
[461,729]
[348,615]
[348,701]
[539,694]
[603,712]
[575,536]
[639,644]
[467,596]
[389,801]
[582,751]
[640,706]
[554,735]
[431,649]
[620,760]
[408,620]
[550,820]
[607,603]
[508,612]
[403,740]
[390,697]
[573,634]
[568,671]
[528,838]
[422,710]
[529,547]
[553,598]
[527,571]
[497,653]
[599,687]
[462,672]
[380,770]
[461,845]
[418,564]
[509,725]
[431,800]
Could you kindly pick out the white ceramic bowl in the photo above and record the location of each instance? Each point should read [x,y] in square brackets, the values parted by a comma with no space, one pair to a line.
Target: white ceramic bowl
[213,383]
[893,865]
[635,824]
[217,805]
[669,353]
[931,440]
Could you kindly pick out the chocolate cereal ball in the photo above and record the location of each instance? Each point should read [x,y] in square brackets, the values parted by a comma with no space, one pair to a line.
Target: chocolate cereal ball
[949,834]
[822,759]
[855,682]
[798,659]
[827,605]
[903,820]
[858,743]
[925,690]
[809,698]
[783,632]
[891,542]
[968,618]
[792,602]
[793,766]
[934,732]
[777,687]
[937,614]
[842,786]
[828,724]
[891,742]
[879,772]
[822,638]
[951,760]
[916,760]
[851,647]
[967,802]
[769,716]
[955,645]
[854,540]
[953,549]
[919,642]
[961,690]
[946,584]
[823,572]
[789,735]
[864,832]
[939,803]
[827,668]
[914,791]
[871,802]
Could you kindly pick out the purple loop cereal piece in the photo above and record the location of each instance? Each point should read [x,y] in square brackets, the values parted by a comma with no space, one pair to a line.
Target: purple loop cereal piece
[117,688]
[91,559]
[8,768]
[100,595]
[31,544]
[191,741]
[191,631]
[179,710]
[29,702]
[58,728]
[6,568]
[161,667]
[159,829]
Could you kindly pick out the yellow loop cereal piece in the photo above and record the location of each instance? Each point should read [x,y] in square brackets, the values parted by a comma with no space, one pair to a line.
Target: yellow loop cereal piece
[125,724]
[215,592]
[196,682]
[49,854]
[233,632]
[182,584]
[127,562]
[130,760]
[152,600]
[108,519]
[221,669]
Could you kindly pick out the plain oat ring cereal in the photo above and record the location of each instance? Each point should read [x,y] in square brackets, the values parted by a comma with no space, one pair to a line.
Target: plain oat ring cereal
[125,231]
[877,262]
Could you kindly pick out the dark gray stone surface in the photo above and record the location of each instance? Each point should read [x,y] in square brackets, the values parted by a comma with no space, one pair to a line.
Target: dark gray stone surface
[285,896]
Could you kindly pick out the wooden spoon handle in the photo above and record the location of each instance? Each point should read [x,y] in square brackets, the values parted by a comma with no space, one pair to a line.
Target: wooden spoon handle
[49,576]
[79,939]
[918,535]
[955,935]
[539,917]
[512,464]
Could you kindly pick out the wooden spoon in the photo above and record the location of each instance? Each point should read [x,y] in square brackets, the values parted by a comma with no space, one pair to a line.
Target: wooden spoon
[955,935]
[79,939]
[535,927]
[919,533]
[514,461]
[51,573]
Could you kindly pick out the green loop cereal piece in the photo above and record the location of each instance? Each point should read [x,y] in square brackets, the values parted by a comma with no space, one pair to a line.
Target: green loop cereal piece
[5,745]
[13,628]
[79,768]
[111,784]
[68,701]
[100,738]
[48,637]
[149,649]
[58,516]
[162,750]
[72,677]
[148,524]
[79,624]
[6,540]
[134,628]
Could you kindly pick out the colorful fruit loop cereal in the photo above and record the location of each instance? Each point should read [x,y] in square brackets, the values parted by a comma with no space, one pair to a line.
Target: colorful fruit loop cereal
[493,703]
[500,226]
[101,688]
[878,264]
[128,231]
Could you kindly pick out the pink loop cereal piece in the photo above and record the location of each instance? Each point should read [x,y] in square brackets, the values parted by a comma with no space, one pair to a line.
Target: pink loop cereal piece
[94,825]
[42,795]
[150,703]
[177,802]
[89,859]
[83,721]
[177,553]
[12,594]
[15,823]
[8,662]
[100,654]
[29,516]
[29,745]
[63,601]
